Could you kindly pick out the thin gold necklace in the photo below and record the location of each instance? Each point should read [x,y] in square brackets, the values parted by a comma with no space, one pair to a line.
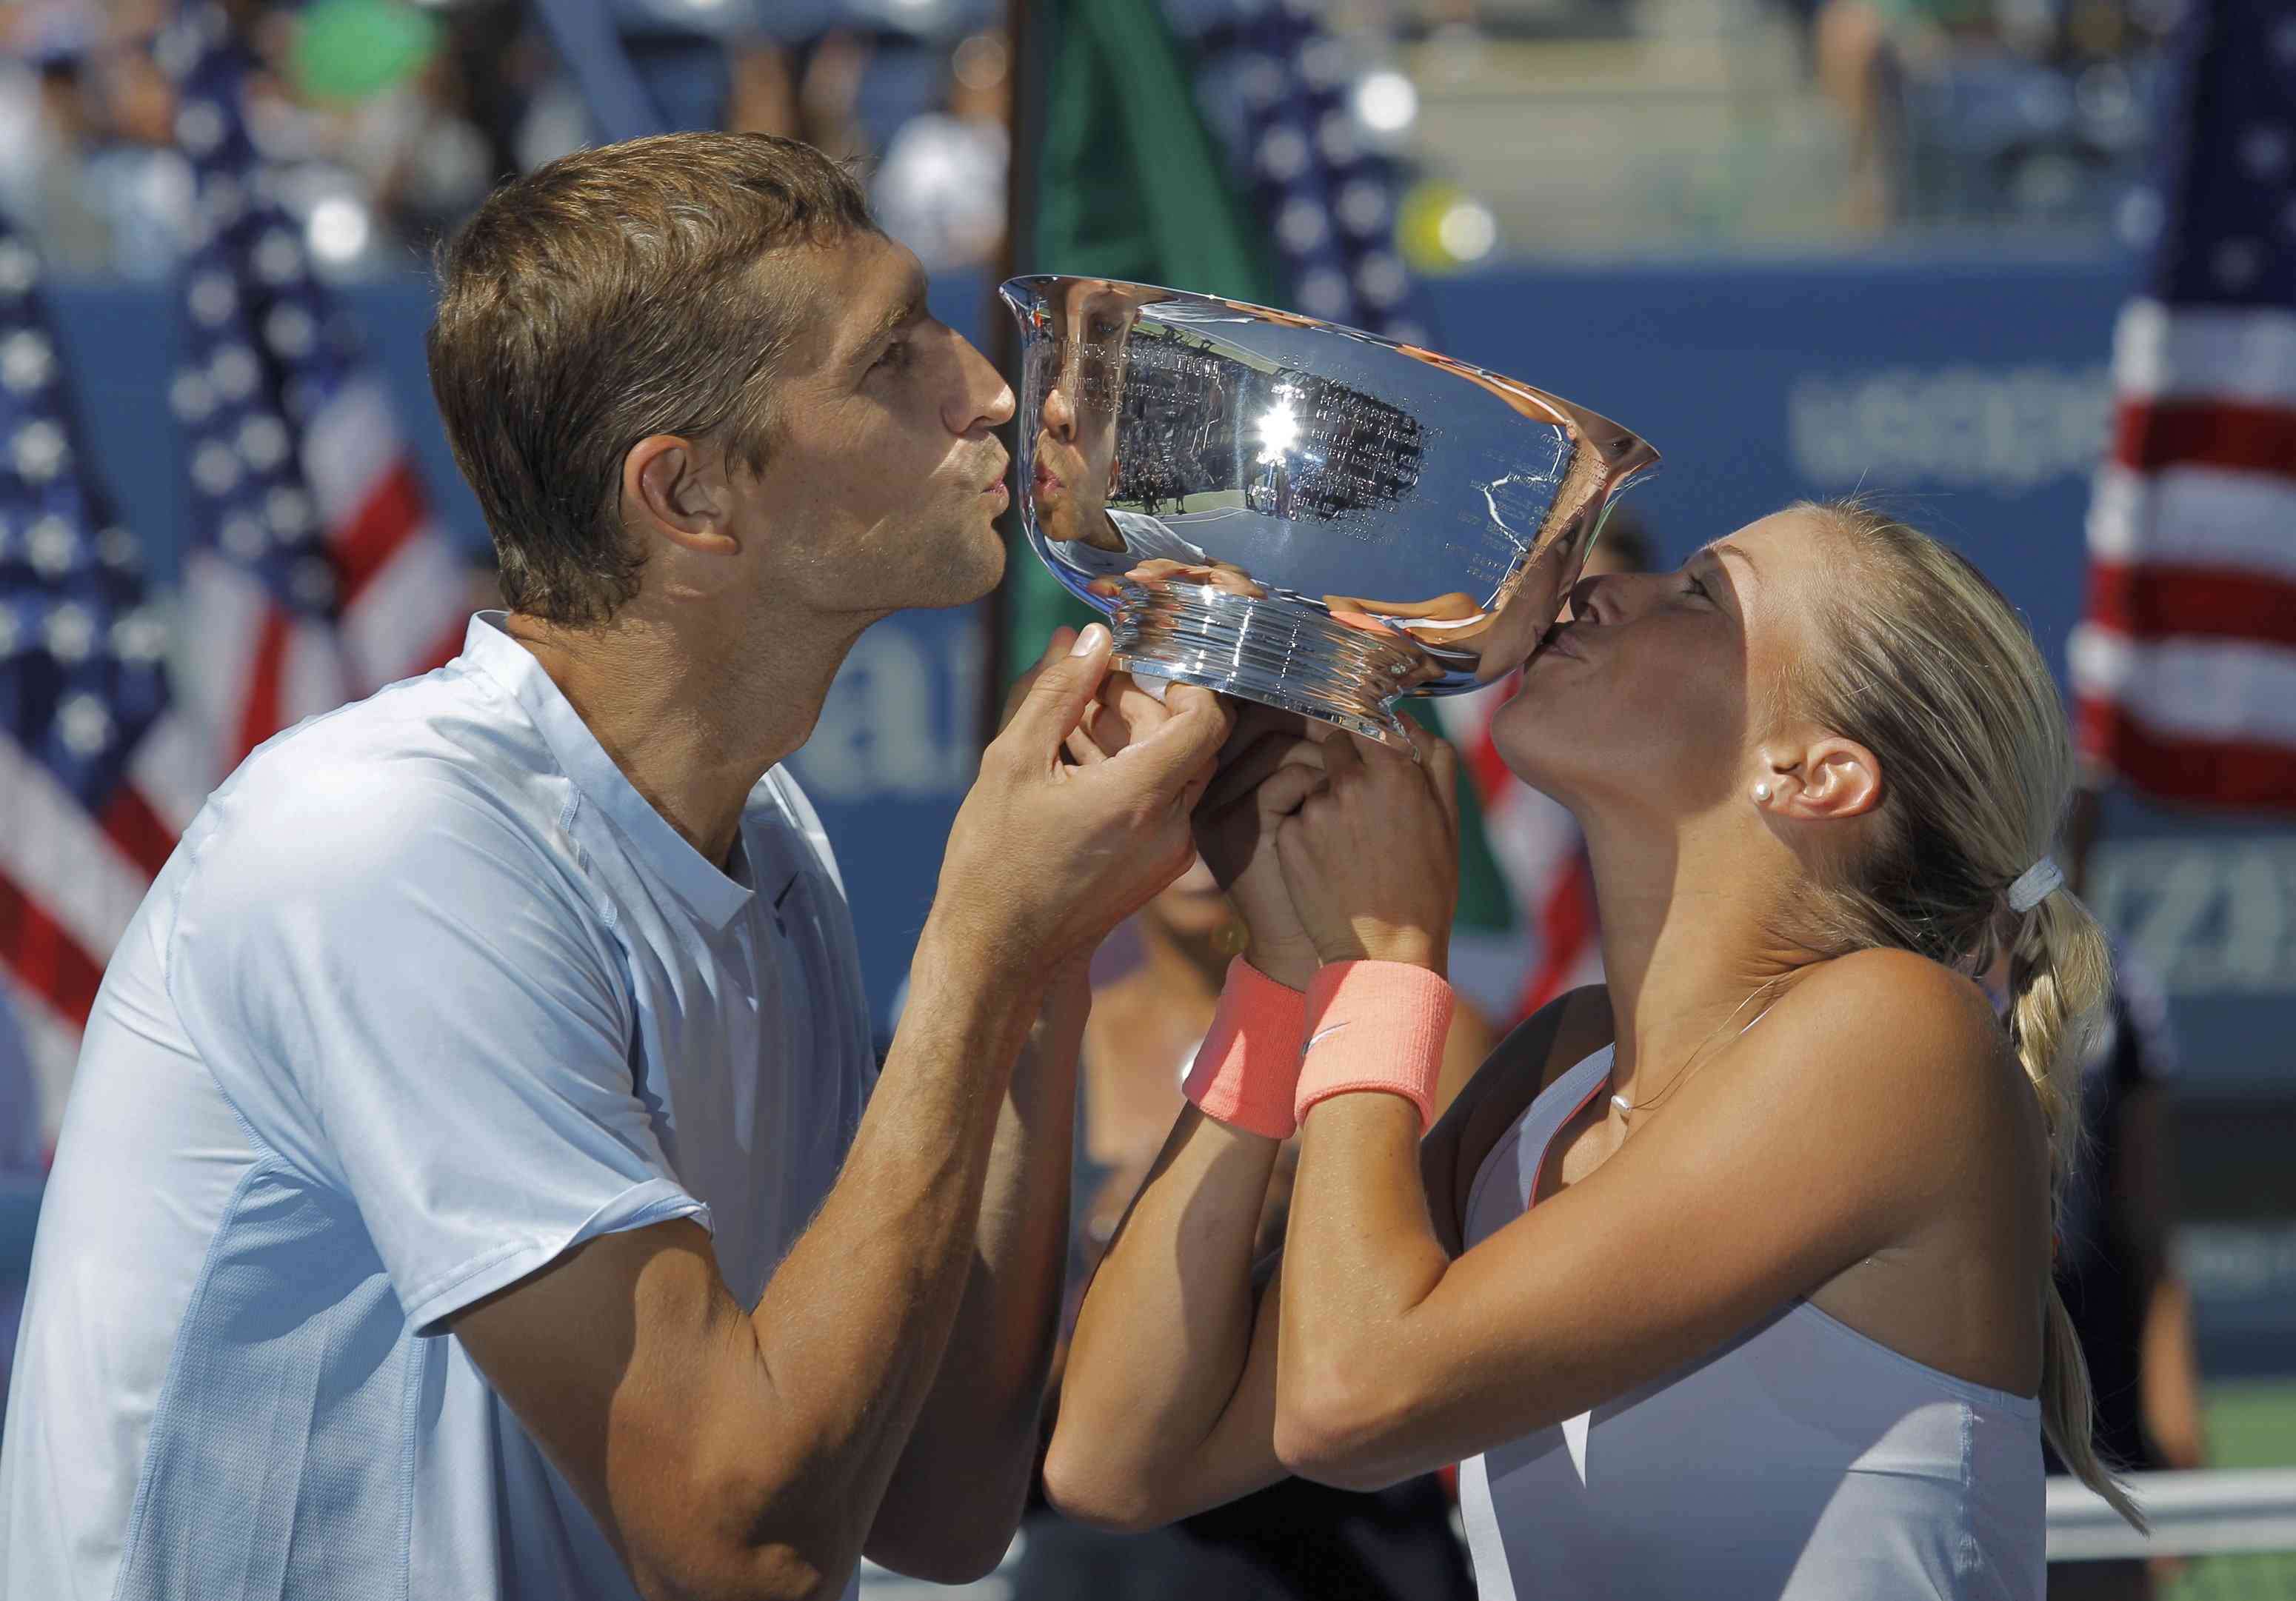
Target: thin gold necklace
[1626,1109]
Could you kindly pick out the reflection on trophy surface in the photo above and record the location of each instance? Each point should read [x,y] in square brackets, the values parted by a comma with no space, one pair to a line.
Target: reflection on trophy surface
[1295,512]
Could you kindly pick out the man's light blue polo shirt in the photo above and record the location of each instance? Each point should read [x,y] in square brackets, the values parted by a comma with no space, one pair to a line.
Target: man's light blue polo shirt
[428,995]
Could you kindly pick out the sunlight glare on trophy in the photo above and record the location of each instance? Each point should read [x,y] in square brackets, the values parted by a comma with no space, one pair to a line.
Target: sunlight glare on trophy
[1277,429]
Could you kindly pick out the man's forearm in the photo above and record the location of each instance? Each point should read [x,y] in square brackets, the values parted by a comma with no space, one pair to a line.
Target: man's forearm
[851,1330]
[964,1479]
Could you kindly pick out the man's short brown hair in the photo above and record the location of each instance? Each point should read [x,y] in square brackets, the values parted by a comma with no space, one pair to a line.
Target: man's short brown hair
[614,294]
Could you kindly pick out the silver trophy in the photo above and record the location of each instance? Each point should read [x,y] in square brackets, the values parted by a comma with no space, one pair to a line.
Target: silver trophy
[1296,512]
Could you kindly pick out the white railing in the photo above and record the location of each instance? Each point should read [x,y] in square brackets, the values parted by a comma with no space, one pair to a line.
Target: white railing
[2205,1513]
[2199,1513]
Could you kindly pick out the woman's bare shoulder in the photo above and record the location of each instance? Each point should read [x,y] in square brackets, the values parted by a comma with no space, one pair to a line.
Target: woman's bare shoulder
[1883,1043]
[1920,1006]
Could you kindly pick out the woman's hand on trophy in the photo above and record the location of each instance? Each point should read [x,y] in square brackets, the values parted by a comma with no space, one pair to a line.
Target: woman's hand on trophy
[1269,765]
[1372,859]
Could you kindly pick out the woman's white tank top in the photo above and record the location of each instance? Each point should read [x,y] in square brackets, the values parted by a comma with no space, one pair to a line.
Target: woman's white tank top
[1800,1459]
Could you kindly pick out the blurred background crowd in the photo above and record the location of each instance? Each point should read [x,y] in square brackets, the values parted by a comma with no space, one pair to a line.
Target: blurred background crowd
[1807,247]
[1544,125]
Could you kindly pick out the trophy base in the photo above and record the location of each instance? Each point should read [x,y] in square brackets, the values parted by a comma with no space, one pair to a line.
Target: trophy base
[1282,653]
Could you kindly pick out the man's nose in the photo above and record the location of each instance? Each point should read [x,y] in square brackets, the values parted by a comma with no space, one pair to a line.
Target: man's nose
[984,399]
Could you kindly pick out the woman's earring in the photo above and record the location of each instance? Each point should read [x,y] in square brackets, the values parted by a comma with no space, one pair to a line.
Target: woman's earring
[1762,791]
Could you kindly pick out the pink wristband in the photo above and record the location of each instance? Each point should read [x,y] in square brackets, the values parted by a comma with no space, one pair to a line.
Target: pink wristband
[1249,1063]
[1374,1026]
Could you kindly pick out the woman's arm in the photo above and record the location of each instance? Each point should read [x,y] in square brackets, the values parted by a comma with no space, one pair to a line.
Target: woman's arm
[1773,1167]
[1167,1399]
[1168,1403]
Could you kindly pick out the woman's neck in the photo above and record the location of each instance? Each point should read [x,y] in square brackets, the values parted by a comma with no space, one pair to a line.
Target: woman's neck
[1688,945]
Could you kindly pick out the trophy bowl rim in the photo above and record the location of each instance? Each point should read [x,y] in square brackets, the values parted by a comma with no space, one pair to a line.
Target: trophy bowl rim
[1347,330]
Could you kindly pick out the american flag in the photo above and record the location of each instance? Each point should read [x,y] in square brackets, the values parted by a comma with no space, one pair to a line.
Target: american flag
[2185,670]
[315,574]
[1331,202]
[1329,198]
[97,772]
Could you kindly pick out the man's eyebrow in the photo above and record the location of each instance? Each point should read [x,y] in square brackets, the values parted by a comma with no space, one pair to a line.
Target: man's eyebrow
[1720,551]
[901,311]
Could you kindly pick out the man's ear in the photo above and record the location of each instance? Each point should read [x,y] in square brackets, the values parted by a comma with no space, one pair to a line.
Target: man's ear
[678,489]
[1829,779]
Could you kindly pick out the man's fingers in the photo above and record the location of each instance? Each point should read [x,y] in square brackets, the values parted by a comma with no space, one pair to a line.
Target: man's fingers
[1056,648]
[1176,748]
[1055,702]
[1137,709]
[1198,782]
[1082,747]
[1220,706]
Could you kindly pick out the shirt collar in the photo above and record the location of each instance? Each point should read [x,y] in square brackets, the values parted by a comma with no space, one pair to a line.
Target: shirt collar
[698,881]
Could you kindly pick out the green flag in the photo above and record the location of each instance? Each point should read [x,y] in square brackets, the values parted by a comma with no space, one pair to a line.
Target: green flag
[1131,184]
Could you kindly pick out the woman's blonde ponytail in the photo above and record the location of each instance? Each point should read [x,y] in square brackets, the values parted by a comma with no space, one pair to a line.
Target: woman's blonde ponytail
[2059,980]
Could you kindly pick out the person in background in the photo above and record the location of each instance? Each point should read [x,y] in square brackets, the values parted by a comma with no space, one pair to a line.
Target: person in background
[809,90]
[419,150]
[941,188]
[1859,48]
[1154,985]
[2115,1266]
[51,124]
[94,177]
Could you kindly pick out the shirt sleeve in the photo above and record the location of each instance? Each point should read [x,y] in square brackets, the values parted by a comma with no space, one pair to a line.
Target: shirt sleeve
[412,1000]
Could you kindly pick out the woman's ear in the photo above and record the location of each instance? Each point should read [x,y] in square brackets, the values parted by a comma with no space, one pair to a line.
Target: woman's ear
[1834,778]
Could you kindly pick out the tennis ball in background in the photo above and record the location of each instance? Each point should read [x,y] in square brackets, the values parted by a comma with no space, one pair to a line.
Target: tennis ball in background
[1442,228]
